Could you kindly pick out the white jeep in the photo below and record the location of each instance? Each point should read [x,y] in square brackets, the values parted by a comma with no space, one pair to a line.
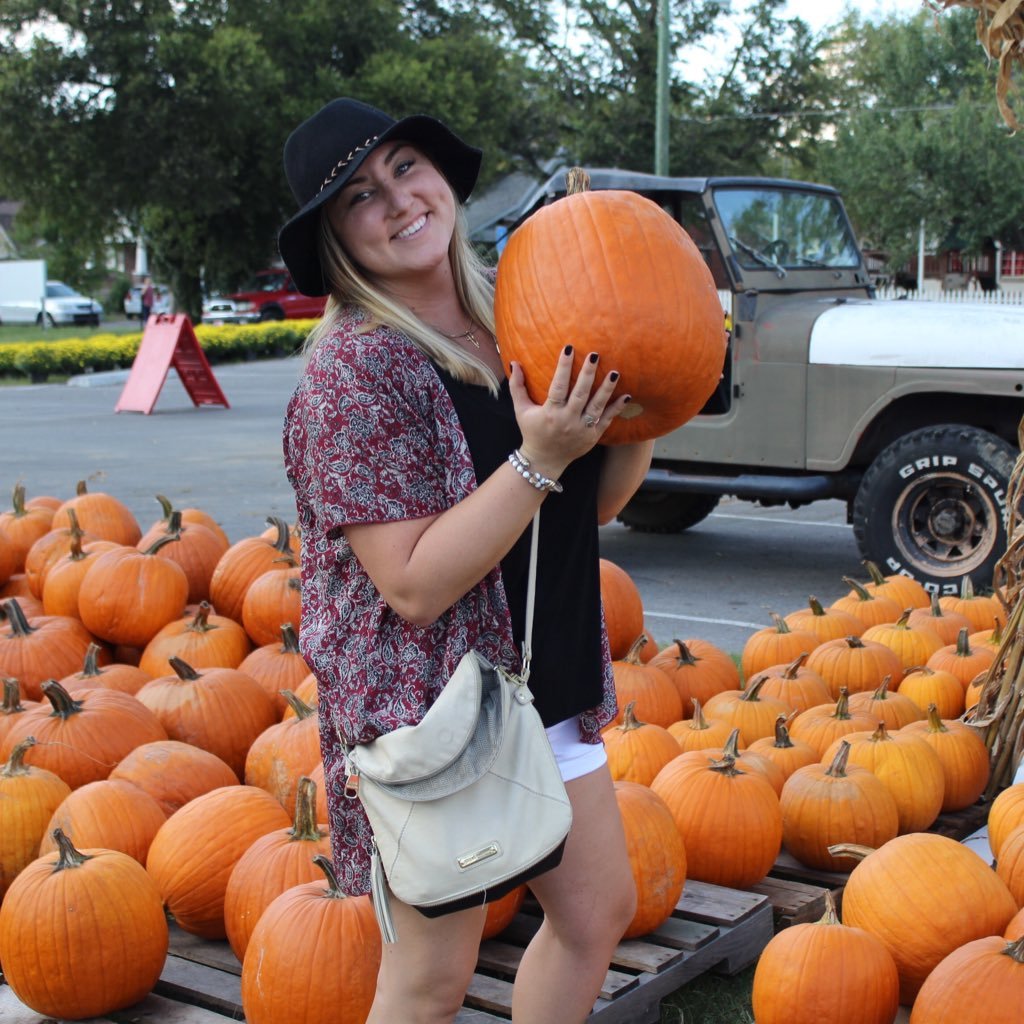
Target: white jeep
[906,410]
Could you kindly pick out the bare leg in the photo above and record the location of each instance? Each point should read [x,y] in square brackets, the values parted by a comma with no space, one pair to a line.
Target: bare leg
[423,976]
[588,901]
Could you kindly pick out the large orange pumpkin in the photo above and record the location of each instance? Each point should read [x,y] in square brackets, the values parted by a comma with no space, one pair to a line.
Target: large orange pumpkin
[613,273]
[82,933]
[277,666]
[637,750]
[623,608]
[21,527]
[964,757]
[924,895]
[99,514]
[698,669]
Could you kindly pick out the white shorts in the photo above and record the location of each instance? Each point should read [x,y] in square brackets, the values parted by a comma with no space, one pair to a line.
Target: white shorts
[575,758]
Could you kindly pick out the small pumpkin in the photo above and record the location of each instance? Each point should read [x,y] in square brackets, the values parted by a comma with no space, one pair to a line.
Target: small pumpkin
[188,516]
[698,669]
[904,590]
[945,624]
[926,686]
[748,710]
[871,609]
[1005,814]
[623,608]
[99,514]
[197,549]
[637,750]
[205,640]
[857,663]
[20,528]
[64,577]
[272,600]
[825,623]
[913,645]
[572,269]
[964,758]
[657,857]
[774,645]
[116,676]
[810,973]
[273,863]
[316,948]
[278,666]
[1010,866]
[194,852]
[831,802]
[894,709]
[979,609]
[797,686]
[782,750]
[961,659]
[822,725]
[647,687]
[82,933]
[697,732]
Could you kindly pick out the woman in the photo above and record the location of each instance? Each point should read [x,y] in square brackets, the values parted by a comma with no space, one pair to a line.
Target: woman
[415,531]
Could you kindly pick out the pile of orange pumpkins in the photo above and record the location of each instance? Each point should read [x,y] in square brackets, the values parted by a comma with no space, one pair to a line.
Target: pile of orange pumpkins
[843,744]
[159,755]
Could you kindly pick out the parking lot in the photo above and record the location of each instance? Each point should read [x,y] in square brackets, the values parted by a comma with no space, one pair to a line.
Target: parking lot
[718,581]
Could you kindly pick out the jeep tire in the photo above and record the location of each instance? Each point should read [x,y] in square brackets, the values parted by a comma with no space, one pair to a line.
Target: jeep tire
[932,506]
[666,512]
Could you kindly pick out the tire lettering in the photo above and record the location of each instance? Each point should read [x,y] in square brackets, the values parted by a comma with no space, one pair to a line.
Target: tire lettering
[942,589]
[927,462]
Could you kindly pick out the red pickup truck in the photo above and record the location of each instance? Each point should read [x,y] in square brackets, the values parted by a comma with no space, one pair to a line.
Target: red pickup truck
[268,295]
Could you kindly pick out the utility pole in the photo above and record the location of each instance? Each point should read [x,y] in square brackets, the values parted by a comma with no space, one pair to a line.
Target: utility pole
[661,101]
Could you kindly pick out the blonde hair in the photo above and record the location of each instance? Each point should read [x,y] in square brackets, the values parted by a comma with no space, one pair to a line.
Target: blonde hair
[350,287]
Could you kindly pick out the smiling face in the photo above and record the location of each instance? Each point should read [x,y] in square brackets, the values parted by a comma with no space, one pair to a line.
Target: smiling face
[396,215]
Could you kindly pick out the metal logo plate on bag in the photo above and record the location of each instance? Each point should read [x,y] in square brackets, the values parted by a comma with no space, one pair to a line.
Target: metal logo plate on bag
[470,860]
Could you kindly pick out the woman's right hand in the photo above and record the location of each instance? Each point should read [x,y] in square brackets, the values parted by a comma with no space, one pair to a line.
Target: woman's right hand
[572,418]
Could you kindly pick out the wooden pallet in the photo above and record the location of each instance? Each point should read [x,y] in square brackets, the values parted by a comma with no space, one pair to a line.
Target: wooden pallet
[793,902]
[712,928]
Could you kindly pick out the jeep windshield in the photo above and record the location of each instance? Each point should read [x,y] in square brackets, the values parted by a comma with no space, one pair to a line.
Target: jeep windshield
[786,229]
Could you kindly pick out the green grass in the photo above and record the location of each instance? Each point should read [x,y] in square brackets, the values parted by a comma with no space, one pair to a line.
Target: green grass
[30,332]
[711,999]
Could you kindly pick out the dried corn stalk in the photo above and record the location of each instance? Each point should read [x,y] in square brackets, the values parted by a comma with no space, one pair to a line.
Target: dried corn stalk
[999,714]
[1000,29]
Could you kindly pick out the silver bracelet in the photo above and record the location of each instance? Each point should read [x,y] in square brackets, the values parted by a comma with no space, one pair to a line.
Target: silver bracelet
[522,466]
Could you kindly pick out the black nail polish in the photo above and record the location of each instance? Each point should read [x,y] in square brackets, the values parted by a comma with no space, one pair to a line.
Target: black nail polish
[628,398]
[613,376]
[568,350]
[593,357]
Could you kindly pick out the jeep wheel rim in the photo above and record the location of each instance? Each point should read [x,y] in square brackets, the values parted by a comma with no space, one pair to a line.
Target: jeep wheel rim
[945,524]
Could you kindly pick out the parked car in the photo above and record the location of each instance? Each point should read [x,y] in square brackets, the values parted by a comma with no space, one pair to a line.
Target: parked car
[269,295]
[63,305]
[907,411]
[163,301]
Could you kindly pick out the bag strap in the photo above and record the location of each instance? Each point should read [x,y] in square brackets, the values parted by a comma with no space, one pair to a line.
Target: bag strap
[531,593]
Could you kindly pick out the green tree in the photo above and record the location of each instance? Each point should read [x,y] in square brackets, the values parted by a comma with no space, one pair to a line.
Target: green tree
[169,118]
[921,140]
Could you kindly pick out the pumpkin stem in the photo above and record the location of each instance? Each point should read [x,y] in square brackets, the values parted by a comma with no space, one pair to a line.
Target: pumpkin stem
[837,769]
[830,916]
[966,589]
[11,703]
[794,666]
[877,578]
[935,608]
[16,617]
[75,552]
[782,738]
[781,625]
[633,654]
[576,180]
[842,710]
[298,705]
[881,734]
[182,669]
[731,747]
[629,719]
[91,668]
[327,867]
[935,722]
[882,693]
[699,722]
[854,850]
[963,644]
[858,589]
[18,500]
[725,766]
[164,538]
[289,640]
[752,692]
[64,705]
[305,827]
[174,524]
[80,488]
[15,763]
[853,642]
[283,538]
[1014,950]
[201,621]
[165,506]
[815,605]
[901,622]
[686,656]
[69,857]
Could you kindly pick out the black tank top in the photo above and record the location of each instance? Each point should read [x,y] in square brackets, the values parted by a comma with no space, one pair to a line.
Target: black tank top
[567,663]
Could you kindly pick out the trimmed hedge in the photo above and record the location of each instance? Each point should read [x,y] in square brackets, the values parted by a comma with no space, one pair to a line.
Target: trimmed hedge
[227,343]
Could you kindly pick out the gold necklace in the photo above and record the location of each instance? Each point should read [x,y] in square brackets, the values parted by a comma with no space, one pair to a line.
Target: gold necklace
[469,335]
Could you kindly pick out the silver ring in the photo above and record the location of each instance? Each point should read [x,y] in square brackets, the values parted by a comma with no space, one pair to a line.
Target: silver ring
[589,421]
[557,401]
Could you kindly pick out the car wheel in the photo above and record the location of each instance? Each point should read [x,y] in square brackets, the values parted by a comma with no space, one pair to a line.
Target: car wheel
[271,313]
[666,512]
[932,506]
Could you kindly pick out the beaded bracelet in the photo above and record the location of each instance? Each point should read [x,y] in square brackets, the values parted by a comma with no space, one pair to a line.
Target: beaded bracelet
[522,466]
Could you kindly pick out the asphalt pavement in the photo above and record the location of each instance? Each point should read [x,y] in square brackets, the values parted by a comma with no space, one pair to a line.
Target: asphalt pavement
[718,581]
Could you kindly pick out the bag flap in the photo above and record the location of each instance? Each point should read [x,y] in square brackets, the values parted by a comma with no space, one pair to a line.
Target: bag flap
[413,752]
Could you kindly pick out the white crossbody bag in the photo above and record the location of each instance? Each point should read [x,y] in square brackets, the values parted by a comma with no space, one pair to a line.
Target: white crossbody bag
[468,803]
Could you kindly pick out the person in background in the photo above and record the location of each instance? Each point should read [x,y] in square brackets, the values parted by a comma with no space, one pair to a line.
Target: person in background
[146,300]
[417,469]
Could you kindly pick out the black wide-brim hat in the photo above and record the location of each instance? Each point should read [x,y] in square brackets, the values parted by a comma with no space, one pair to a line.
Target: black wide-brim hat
[327,149]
